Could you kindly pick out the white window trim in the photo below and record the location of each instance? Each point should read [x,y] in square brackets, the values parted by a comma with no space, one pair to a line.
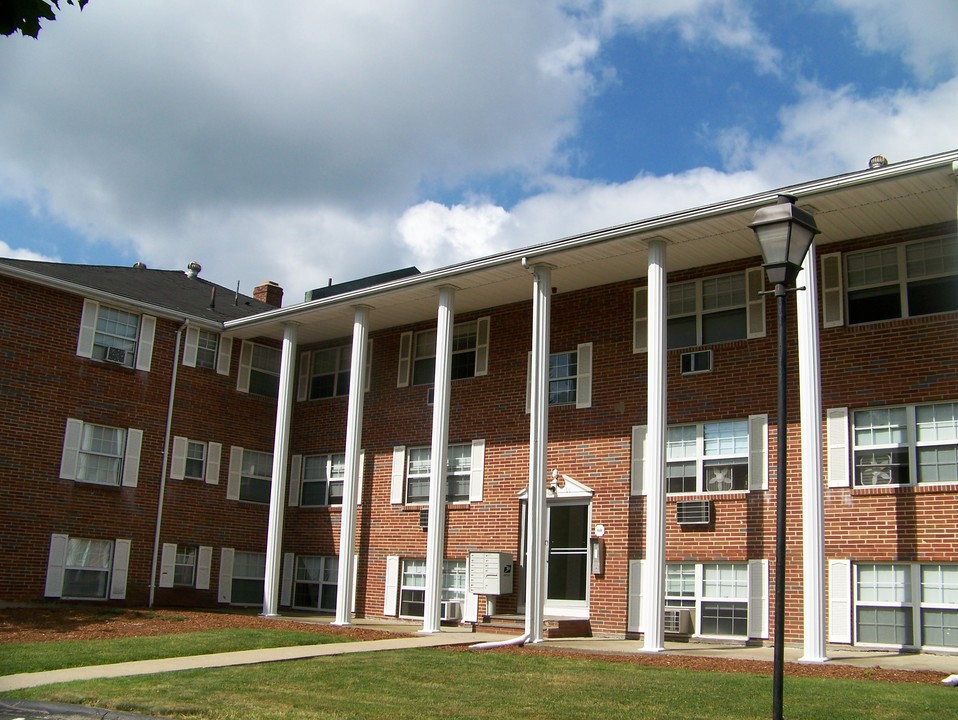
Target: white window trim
[143,353]
[130,461]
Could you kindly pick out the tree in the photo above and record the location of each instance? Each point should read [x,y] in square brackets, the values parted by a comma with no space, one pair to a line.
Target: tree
[25,15]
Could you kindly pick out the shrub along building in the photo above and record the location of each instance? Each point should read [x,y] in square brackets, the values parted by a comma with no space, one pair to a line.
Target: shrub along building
[376,450]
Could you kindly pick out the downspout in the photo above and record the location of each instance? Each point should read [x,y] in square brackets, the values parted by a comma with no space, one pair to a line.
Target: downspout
[166,450]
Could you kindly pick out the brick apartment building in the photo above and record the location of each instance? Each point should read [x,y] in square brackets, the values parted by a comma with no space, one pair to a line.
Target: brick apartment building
[169,441]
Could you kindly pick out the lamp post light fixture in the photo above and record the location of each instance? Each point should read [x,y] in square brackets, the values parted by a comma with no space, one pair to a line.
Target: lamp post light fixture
[784,233]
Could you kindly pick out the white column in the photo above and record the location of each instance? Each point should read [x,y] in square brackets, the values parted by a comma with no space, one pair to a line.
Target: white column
[437,467]
[538,450]
[653,481]
[277,493]
[346,581]
[813,524]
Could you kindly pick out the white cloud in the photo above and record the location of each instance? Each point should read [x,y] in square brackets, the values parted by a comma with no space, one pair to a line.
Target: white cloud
[436,235]
[8,251]
[923,32]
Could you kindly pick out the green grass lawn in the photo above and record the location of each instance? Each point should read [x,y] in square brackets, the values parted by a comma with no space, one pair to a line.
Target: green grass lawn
[434,683]
[35,657]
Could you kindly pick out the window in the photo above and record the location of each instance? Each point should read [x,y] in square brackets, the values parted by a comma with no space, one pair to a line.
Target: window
[708,457]
[101,454]
[889,611]
[116,336]
[707,311]
[259,369]
[86,572]
[316,582]
[323,479]
[458,473]
[906,445]
[249,575]
[907,280]
[207,346]
[195,460]
[717,594]
[470,353]
[329,372]
[563,376]
[412,590]
[184,568]
[464,344]
[256,476]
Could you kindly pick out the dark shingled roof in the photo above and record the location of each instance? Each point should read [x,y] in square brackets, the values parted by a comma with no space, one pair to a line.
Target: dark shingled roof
[170,289]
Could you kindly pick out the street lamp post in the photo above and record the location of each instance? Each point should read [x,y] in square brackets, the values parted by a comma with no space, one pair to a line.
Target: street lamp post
[784,233]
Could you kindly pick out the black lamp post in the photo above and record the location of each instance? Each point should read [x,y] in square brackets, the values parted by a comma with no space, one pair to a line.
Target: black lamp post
[784,233]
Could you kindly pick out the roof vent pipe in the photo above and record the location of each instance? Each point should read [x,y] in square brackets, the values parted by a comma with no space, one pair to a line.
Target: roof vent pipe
[193,269]
[139,266]
[878,161]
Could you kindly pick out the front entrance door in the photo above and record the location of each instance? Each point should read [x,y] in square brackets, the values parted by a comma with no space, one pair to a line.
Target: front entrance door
[567,561]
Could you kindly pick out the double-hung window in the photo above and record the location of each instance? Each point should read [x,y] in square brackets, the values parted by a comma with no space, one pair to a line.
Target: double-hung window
[87,570]
[469,353]
[412,589]
[458,473]
[250,475]
[248,578]
[195,466]
[724,599]
[323,479]
[706,311]
[329,372]
[570,378]
[905,445]
[259,369]
[708,457]
[100,454]
[116,336]
[316,583]
[195,460]
[906,280]
[184,566]
[207,347]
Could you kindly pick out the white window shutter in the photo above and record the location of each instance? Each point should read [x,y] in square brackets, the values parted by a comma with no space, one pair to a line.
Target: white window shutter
[470,604]
[178,463]
[529,383]
[482,346]
[204,563]
[359,485]
[121,565]
[302,384]
[405,359]
[56,562]
[755,304]
[87,328]
[224,355]
[245,364]
[640,320]
[583,385]
[225,590]
[286,583]
[836,429]
[295,480]
[638,459]
[833,301]
[235,472]
[758,598]
[840,601]
[214,453]
[477,470]
[167,565]
[634,619]
[71,449]
[190,346]
[758,452]
[392,585]
[397,484]
[144,348]
[131,458]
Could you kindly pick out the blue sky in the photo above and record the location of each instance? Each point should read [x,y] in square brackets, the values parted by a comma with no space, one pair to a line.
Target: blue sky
[355,137]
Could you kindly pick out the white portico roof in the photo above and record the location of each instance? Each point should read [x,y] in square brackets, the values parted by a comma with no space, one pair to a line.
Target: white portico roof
[896,197]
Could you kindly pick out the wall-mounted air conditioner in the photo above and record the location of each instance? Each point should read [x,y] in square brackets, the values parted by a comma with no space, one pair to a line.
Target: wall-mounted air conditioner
[451,610]
[698,361]
[116,355]
[693,512]
[678,621]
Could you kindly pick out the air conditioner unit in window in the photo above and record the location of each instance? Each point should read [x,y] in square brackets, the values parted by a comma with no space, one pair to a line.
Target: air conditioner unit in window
[451,610]
[693,512]
[698,361]
[678,621]
[116,355]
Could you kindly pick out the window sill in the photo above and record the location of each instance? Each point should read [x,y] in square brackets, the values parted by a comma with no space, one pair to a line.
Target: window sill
[919,489]
[724,495]
[416,507]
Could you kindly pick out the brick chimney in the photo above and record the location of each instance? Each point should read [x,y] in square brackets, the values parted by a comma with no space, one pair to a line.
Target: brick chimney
[270,293]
